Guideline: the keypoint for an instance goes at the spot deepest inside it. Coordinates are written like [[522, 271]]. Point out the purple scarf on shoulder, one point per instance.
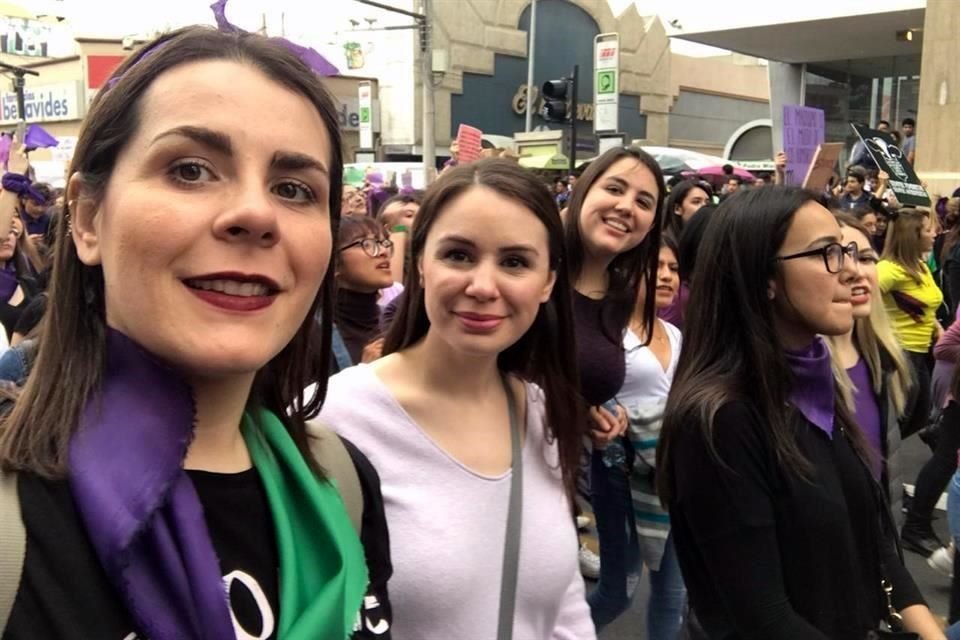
[[812, 390], [140, 509]]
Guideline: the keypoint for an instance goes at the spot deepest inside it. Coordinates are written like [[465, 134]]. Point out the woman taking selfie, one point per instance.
[[874, 372], [781, 530], [472, 419], [165, 486], [612, 237]]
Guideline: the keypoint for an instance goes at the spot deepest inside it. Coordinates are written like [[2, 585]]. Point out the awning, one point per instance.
[[556, 161]]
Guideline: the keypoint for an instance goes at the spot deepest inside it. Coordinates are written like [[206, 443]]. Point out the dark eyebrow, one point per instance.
[[623, 183], [825, 240], [515, 248], [293, 161], [214, 140]]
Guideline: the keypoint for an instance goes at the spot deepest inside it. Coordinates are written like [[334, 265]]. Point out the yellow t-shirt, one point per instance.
[[914, 334]]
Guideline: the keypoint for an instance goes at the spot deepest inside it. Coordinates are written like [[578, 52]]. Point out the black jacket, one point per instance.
[[766, 554]]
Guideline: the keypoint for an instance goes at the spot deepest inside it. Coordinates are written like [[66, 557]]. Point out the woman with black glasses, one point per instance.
[[363, 270], [780, 528]]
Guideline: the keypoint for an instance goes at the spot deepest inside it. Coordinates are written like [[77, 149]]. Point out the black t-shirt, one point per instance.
[[65, 594]]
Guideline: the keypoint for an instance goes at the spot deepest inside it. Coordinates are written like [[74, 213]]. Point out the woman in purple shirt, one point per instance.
[[873, 372]]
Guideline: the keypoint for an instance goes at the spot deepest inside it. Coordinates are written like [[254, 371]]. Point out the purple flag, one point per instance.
[[38, 138], [5, 143], [310, 57]]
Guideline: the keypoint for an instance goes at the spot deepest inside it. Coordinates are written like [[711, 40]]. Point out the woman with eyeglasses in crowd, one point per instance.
[[874, 373], [363, 271], [472, 420], [780, 527], [911, 298]]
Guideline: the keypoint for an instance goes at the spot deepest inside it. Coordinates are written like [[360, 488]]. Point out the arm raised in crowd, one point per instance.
[[10, 201]]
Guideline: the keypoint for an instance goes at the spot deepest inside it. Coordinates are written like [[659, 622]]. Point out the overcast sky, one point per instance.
[[318, 20]]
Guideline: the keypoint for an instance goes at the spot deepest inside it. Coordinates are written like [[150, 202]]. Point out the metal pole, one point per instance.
[[531, 49], [429, 107], [573, 120]]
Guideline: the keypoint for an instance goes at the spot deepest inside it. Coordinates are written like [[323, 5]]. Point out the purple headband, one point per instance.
[[20, 184]]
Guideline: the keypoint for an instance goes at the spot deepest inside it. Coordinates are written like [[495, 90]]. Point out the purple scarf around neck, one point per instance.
[[140, 509], [812, 390]]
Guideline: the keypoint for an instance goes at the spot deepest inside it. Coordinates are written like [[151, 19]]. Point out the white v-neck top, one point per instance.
[[447, 524]]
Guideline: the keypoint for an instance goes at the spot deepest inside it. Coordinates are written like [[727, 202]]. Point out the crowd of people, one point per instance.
[[243, 399]]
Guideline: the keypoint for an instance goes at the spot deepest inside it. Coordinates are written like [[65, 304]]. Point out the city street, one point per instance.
[[935, 587]]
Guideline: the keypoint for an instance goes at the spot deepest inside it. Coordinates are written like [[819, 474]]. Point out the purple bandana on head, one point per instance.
[[309, 57], [137, 503]]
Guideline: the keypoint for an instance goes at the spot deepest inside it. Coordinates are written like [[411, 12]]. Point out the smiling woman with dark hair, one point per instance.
[[167, 484]]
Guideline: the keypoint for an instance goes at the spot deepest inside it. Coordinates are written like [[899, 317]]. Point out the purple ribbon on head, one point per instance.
[[309, 57], [21, 185]]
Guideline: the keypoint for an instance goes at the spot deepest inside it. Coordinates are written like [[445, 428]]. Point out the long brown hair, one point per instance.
[[545, 354], [902, 245], [71, 358], [628, 269]]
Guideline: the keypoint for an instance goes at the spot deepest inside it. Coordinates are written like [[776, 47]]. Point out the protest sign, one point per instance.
[[468, 143], [888, 156], [823, 165], [803, 131]]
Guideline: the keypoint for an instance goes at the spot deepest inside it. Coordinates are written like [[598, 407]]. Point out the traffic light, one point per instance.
[[555, 94]]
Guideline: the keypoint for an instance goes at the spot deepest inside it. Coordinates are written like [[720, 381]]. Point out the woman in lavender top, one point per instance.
[[873, 372]]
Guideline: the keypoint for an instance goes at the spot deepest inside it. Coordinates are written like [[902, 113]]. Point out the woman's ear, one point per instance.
[[84, 221]]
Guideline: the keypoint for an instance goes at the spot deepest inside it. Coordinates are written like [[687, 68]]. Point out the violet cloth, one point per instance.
[[21, 185], [140, 509], [867, 413], [37, 137], [812, 390], [673, 313], [601, 359]]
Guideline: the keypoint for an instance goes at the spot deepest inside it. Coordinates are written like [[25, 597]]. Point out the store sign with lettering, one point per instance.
[[44, 103]]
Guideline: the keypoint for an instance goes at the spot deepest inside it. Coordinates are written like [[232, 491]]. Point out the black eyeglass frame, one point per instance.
[[380, 246], [850, 249]]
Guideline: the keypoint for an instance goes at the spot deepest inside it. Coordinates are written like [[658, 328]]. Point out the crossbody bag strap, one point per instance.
[[511, 546]]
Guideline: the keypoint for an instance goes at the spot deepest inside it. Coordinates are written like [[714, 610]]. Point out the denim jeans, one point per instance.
[[620, 561]]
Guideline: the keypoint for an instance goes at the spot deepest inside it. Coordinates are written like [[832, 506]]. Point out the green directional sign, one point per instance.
[[364, 114], [606, 82]]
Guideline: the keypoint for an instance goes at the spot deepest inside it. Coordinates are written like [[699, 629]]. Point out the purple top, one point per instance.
[[674, 312], [601, 360], [812, 390], [867, 412]]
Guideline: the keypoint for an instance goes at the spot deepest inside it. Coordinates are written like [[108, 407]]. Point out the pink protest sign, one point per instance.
[[468, 143]]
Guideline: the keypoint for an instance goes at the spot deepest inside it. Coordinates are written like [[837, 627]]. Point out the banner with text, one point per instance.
[[606, 83], [888, 156], [44, 103], [803, 132]]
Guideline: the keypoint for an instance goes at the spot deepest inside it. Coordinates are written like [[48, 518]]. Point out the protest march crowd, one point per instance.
[[243, 399]]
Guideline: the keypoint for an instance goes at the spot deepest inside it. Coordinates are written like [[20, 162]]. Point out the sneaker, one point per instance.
[[918, 540], [942, 561], [589, 563], [583, 523]]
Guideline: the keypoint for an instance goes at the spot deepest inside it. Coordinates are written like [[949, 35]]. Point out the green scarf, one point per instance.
[[323, 574]]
